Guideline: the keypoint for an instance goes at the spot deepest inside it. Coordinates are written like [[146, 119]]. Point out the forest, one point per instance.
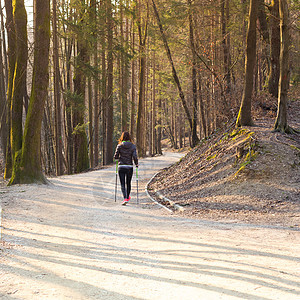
[[75, 74]]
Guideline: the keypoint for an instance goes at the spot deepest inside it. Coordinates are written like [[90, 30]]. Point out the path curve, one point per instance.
[[70, 240]]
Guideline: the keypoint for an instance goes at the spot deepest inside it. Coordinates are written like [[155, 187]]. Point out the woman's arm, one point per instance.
[[117, 153], [135, 157]]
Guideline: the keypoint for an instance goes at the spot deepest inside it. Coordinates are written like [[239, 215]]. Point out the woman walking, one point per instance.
[[126, 153]]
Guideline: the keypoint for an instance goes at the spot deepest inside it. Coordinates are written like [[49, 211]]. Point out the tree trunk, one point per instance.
[[244, 117], [262, 17], [275, 49], [103, 103], [159, 119], [57, 103], [96, 115], [201, 105], [214, 76], [81, 145], [228, 43], [141, 106], [123, 69], [153, 121], [68, 110], [19, 81], [140, 121], [225, 46], [91, 106], [133, 83], [3, 101], [195, 139], [5, 62], [202, 110], [168, 126], [50, 138], [110, 109], [179, 108], [29, 168], [103, 97], [174, 124], [281, 119], [11, 38], [48, 144], [93, 4], [126, 75], [208, 110]]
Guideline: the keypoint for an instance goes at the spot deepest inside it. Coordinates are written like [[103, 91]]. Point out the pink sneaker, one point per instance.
[[128, 198], [125, 202]]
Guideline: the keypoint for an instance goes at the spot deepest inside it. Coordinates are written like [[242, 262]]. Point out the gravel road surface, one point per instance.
[[70, 240]]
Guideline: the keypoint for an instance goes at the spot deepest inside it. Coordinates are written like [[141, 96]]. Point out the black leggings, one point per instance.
[[125, 175]]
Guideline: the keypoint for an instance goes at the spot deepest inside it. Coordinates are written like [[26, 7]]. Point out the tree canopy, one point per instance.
[[176, 70]]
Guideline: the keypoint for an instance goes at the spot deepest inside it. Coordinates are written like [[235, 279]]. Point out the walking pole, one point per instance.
[[116, 181], [137, 185]]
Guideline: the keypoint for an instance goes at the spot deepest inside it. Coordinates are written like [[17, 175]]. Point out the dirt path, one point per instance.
[[70, 240]]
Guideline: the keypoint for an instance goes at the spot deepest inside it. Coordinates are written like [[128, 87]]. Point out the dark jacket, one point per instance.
[[125, 152]]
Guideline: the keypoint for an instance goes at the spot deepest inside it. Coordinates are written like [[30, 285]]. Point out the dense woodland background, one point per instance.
[[84, 71]]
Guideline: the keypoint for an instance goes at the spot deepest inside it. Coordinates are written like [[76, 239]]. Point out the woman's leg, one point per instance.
[[122, 174], [128, 181]]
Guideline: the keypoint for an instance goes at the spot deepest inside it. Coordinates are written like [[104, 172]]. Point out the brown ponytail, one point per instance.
[[125, 137]]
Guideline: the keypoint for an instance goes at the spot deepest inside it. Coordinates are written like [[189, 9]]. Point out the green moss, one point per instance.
[[251, 155], [237, 132], [225, 137], [8, 164], [295, 148], [250, 148], [250, 134], [239, 170], [234, 133], [16, 173], [211, 157], [80, 128], [196, 160]]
